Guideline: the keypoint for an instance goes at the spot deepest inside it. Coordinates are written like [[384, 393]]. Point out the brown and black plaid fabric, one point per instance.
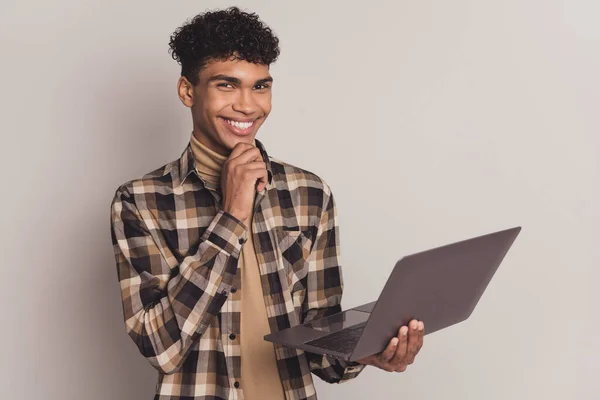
[[177, 257]]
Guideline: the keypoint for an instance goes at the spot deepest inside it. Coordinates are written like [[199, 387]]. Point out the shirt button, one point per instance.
[[242, 240], [236, 384], [233, 290], [232, 336]]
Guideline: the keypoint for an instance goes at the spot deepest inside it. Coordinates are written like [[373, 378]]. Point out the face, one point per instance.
[[229, 104]]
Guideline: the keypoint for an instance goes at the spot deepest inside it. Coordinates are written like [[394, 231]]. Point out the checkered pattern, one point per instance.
[[177, 258]]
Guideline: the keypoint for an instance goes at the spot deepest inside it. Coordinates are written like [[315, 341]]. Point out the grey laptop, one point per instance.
[[440, 286]]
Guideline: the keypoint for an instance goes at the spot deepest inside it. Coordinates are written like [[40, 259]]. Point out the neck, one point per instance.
[[210, 143]]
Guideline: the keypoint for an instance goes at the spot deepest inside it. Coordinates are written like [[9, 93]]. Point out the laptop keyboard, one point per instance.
[[342, 341]]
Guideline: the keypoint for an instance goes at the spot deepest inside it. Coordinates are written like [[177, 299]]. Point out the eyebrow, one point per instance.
[[237, 81]]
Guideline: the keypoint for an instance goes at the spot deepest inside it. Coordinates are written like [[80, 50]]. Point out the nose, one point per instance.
[[244, 102]]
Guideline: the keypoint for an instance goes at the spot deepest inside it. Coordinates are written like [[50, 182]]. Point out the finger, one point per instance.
[[249, 155], [260, 167], [400, 353], [401, 368], [239, 149], [260, 186], [262, 181], [413, 342], [421, 336], [387, 354], [254, 173], [257, 175]]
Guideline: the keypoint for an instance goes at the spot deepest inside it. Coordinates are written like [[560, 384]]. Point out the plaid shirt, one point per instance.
[[177, 256]]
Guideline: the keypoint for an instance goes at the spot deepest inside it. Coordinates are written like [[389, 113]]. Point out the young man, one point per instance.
[[226, 244]]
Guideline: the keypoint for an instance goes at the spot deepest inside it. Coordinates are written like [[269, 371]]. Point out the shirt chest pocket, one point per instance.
[[294, 247]]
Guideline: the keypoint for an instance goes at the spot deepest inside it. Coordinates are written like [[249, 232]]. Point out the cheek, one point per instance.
[[213, 104], [265, 104]]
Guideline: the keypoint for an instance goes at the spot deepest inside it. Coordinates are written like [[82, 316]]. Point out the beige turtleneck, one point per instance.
[[260, 377], [209, 163]]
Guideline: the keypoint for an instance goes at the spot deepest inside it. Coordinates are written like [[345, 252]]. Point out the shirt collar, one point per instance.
[[187, 164]]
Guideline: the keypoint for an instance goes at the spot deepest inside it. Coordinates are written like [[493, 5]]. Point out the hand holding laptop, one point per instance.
[[401, 351], [440, 287]]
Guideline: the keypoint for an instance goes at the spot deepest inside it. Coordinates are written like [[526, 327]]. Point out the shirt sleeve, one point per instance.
[[324, 292], [167, 305]]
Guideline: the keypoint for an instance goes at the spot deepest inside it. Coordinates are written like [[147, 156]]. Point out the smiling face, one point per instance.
[[229, 104]]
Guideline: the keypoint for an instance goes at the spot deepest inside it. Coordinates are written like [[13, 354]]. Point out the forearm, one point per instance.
[[166, 305], [165, 329]]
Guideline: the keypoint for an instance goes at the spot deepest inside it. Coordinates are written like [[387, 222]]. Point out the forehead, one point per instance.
[[241, 69]]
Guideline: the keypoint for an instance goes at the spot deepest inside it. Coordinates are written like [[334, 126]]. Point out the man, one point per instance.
[[226, 244]]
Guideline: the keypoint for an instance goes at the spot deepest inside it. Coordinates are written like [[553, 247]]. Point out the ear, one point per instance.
[[185, 91]]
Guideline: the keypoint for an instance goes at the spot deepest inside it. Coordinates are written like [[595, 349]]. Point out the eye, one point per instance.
[[262, 86], [225, 85]]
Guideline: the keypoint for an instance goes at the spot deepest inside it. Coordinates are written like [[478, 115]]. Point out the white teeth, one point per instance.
[[242, 125]]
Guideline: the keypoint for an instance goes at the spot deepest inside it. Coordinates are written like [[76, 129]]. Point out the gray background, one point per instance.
[[432, 121]]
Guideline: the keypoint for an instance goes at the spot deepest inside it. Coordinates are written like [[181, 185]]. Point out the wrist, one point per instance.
[[236, 214]]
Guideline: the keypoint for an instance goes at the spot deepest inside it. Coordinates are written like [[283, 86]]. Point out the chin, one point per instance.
[[233, 141]]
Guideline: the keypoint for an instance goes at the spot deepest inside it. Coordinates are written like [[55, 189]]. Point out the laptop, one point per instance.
[[440, 287]]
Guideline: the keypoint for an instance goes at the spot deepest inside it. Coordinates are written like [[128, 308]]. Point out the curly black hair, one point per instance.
[[220, 35]]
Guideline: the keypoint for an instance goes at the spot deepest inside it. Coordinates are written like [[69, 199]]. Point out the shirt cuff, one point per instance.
[[352, 370], [227, 233]]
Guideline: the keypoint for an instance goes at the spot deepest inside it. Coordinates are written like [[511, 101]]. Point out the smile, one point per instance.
[[238, 124], [239, 128]]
